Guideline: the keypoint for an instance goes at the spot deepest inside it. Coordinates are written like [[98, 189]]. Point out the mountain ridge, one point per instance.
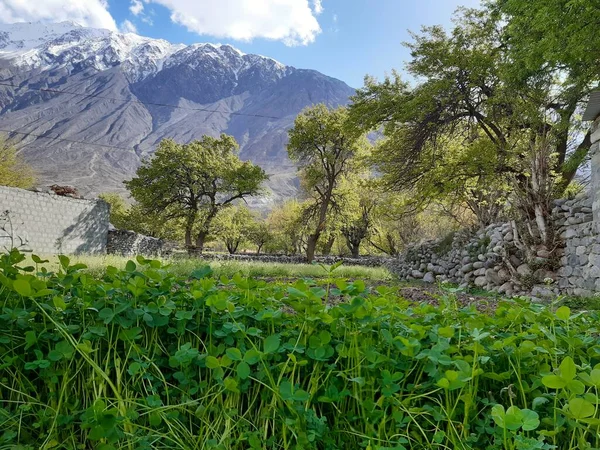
[[253, 97]]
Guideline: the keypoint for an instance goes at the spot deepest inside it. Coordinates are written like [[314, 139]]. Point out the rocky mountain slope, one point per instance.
[[123, 93]]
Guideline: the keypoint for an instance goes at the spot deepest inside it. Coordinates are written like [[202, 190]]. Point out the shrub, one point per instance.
[[145, 359]]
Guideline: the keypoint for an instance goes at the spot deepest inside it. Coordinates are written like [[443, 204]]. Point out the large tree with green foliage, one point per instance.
[[545, 36], [193, 182], [326, 147], [13, 170], [476, 123]]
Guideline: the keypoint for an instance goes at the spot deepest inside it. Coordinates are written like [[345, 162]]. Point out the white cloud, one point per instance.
[[127, 27], [335, 27], [91, 13], [318, 6], [136, 7], [290, 21]]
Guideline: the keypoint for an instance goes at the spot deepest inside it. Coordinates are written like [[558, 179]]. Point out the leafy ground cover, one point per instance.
[[143, 358]]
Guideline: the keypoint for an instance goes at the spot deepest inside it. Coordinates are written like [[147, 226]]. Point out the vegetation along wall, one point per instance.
[[495, 259], [50, 224]]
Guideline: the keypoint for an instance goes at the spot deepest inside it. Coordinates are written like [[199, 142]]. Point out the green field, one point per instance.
[[184, 266], [149, 356]]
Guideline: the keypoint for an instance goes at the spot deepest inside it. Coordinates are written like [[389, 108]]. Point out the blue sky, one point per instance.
[[345, 39], [357, 37]]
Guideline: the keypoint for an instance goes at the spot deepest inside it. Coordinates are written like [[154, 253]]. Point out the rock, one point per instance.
[[416, 274], [508, 286], [479, 272], [524, 270], [481, 257], [581, 250], [466, 268], [514, 261], [480, 281], [504, 275], [582, 292], [593, 272], [477, 265], [571, 233], [543, 253], [429, 277], [492, 277]]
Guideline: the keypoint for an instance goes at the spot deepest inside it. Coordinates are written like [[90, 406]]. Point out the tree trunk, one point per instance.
[[311, 246], [200, 240], [328, 246], [355, 249], [188, 238], [258, 248], [232, 246], [314, 238]]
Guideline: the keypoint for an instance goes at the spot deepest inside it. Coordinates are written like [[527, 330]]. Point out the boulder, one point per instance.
[[506, 288], [429, 277], [466, 268], [492, 277], [480, 281], [504, 275], [416, 274], [524, 270]]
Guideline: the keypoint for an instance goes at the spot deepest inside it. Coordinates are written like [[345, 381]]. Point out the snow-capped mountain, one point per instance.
[[117, 87]]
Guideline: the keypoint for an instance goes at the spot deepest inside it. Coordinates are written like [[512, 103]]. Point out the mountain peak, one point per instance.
[[38, 44], [90, 104]]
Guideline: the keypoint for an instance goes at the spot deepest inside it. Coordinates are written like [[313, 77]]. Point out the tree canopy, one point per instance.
[[476, 124], [14, 171], [193, 182], [326, 148]]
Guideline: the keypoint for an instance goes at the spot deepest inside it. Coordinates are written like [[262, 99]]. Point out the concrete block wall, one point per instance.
[[49, 224]]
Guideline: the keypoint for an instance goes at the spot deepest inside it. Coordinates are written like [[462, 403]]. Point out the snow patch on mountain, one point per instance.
[[49, 46]]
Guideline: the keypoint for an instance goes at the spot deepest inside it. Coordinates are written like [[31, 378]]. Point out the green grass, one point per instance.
[[142, 358], [256, 269]]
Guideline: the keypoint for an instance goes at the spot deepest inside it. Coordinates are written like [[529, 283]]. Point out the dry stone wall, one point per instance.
[[130, 243], [367, 261], [490, 259], [49, 224]]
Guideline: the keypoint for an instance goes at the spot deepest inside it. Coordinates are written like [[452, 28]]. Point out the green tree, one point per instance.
[[233, 226], [259, 234], [133, 217], [119, 210], [360, 195], [474, 124], [550, 35], [287, 228], [14, 171], [326, 148], [192, 182]]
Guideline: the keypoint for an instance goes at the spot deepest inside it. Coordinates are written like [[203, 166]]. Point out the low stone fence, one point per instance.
[[367, 261], [490, 259], [130, 243]]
